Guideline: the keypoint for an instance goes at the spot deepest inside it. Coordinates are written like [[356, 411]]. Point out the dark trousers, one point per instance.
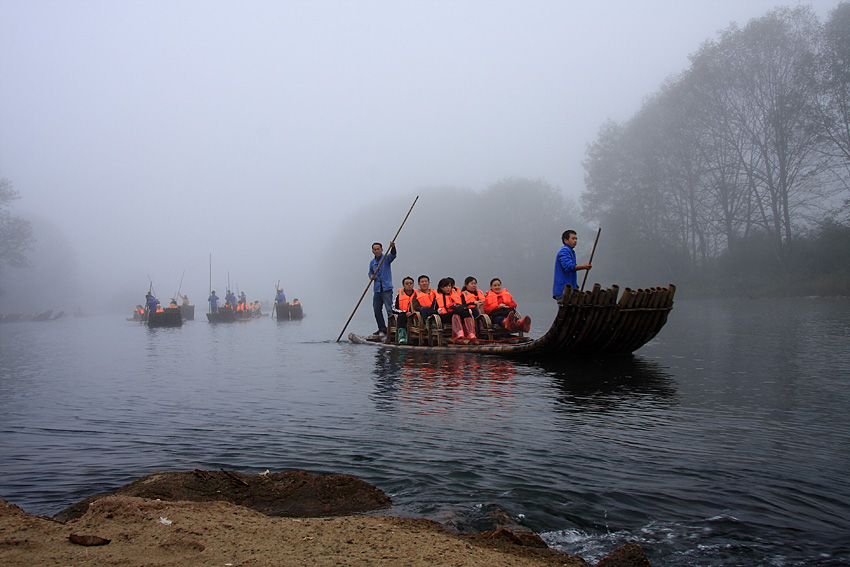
[[382, 299]]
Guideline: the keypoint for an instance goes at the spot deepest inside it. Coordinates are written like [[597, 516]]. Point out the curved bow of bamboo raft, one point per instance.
[[597, 322], [588, 323]]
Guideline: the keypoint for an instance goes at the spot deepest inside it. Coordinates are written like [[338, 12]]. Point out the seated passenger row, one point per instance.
[[458, 307]]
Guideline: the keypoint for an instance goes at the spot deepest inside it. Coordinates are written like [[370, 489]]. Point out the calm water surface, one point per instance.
[[725, 441]]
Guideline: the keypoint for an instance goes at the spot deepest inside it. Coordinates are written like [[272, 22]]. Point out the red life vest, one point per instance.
[[492, 300]]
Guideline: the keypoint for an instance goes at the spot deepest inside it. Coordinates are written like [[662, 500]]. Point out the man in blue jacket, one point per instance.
[[383, 288], [565, 265]]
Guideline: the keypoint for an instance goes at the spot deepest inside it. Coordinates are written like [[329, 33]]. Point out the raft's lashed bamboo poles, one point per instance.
[[589, 323]]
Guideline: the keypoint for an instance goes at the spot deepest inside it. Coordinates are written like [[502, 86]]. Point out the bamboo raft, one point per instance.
[[169, 317], [588, 323], [289, 311]]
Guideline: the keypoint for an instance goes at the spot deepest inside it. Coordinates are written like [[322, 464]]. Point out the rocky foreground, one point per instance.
[[210, 518]]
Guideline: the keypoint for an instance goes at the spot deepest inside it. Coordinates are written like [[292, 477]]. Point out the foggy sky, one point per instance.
[[155, 134]]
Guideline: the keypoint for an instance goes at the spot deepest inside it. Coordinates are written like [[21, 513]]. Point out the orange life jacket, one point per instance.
[[425, 299], [445, 302], [470, 298], [405, 301], [492, 300]]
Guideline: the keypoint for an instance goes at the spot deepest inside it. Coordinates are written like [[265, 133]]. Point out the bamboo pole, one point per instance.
[[598, 232], [376, 270]]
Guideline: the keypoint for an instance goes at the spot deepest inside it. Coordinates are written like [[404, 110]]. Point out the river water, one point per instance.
[[724, 441]]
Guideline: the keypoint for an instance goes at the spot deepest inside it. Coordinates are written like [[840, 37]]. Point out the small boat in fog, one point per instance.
[[168, 317], [188, 312], [289, 311], [588, 323], [226, 314]]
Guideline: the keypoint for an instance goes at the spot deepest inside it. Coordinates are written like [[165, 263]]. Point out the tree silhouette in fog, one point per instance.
[[744, 150]]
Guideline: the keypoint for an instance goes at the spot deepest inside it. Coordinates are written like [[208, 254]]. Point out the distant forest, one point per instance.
[[734, 178], [735, 175]]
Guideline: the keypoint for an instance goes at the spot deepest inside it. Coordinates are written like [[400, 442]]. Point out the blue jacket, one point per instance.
[[384, 276], [213, 299], [281, 297], [565, 270]]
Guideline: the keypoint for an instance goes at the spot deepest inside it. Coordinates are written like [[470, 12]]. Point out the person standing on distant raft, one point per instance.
[[280, 297], [383, 288], [565, 265], [150, 302], [213, 299]]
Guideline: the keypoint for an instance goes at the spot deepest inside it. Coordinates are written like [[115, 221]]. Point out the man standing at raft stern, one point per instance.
[[381, 273], [565, 265]]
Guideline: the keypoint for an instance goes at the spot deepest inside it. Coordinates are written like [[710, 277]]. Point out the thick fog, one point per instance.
[[243, 139]]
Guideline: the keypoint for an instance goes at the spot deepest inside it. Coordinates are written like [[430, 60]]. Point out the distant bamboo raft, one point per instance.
[[588, 323]]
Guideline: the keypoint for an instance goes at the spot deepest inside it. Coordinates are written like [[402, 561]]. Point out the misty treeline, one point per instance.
[[16, 237], [510, 230], [741, 162]]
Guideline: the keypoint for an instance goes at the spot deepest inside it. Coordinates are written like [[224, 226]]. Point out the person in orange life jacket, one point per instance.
[[382, 299], [424, 297], [449, 306], [501, 307], [472, 296], [404, 305], [173, 304]]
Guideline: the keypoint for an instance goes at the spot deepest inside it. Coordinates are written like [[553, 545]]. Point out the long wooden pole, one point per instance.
[[376, 270], [179, 287], [591, 258]]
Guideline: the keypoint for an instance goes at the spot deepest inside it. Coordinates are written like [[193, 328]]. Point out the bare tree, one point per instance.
[[15, 233], [835, 66]]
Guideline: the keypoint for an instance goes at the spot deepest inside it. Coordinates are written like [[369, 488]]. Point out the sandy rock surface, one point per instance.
[[156, 533], [225, 518]]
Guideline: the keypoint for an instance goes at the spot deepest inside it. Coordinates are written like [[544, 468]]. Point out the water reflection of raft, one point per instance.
[[590, 323], [289, 311], [169, 317]]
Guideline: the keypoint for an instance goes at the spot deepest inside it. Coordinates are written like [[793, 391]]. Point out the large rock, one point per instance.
[[628, 555], [292, 493]]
